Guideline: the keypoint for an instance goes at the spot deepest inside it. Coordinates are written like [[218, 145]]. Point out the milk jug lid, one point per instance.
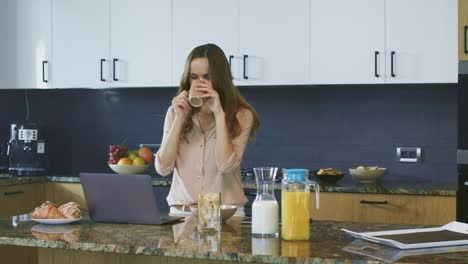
[[296, 175]]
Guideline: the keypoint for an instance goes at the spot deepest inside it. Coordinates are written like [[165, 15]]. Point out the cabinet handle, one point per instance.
[[13, 193], [230, 60], [373, 202], [376, 55], [245, 62], [464, 35], [113, 65], [102, 78], [392, 54], [43, 71]]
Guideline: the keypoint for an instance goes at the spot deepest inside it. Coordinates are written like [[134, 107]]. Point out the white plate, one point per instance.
[[54, 229], [55, 221]]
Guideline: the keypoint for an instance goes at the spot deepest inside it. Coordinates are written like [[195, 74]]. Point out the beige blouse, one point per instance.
[[196, 169]]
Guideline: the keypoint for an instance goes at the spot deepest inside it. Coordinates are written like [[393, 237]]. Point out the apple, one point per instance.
[[133, 154], [146, 154], [139, 161]]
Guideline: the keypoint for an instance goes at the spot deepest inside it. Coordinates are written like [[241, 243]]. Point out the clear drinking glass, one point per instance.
[[265, 210], [194, 98], [209, 242], [209, 212]]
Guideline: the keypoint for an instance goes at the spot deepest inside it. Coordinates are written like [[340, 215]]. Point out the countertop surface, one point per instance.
[[349, 186], [328, 243]]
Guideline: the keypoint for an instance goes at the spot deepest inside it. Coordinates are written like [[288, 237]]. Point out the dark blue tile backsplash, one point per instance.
[[314, 127]]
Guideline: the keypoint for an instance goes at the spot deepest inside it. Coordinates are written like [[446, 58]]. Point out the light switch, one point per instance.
[[408, 154], [41, 147]]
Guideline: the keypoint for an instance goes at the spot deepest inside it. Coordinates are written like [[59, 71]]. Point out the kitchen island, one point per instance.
[[86, 242]]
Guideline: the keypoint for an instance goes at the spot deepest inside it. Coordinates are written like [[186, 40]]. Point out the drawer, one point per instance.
[[20, 199], [383, 208]]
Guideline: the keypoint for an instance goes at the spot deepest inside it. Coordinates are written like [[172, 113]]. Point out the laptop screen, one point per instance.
[[120, 198]]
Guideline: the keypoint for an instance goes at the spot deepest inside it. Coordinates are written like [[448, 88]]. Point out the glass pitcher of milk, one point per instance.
[[265, 211]]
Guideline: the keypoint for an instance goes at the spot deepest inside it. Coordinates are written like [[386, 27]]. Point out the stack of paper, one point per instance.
[[390, 254], [451, 234]]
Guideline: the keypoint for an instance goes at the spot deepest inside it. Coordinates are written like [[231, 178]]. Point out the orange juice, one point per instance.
[[295, 206], [295, 248]]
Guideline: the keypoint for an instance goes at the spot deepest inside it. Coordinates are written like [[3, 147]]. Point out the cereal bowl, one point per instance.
[[227, 211]]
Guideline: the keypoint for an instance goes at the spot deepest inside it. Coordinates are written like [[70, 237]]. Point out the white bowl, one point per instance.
[[128, 169], [367, 175], [227, 211]]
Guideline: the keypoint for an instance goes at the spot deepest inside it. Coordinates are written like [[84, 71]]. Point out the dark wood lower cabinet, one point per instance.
[[58, 256], [18, 255]]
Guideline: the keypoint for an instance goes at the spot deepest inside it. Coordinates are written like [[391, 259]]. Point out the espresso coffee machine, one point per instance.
[[26, 150]]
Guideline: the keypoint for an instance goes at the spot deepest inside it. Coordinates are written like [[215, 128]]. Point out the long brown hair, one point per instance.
[[221, 80]]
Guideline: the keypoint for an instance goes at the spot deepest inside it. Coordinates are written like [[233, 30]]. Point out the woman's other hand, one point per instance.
[[181, 105]]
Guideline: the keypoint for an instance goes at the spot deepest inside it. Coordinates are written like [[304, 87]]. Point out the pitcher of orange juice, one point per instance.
[[295, 204]]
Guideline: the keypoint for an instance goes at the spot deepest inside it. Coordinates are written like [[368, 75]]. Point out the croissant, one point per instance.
[[47, 210], [45, 236], [70, 236], [70, 210]]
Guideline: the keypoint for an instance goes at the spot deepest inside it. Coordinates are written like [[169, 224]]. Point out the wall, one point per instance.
[[313, 127]]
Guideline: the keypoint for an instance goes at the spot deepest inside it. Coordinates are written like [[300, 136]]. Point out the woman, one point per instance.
[[204, 146]]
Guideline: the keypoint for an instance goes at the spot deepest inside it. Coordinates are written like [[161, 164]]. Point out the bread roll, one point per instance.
[[47, 210], [70, 210]]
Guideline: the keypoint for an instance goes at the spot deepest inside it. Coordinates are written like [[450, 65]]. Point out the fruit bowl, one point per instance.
[[128, 169], [365, 175]]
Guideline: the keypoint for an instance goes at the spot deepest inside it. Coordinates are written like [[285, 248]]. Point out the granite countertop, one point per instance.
[[328, 244], [384, 187]]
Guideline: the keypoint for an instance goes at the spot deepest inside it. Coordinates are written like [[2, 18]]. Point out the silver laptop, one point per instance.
[[122, 198]]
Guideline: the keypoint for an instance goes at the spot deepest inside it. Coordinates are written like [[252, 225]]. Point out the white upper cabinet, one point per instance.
[[383, 41], [201, 22], [273, 42], [141, 41], [118, 43], [262, 46], [8, 44], [25, 46], [422, 41], [33, 43], [80, 40], [347, 41]]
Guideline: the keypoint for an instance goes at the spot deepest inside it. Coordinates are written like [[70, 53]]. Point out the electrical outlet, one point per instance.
[[408, 154]]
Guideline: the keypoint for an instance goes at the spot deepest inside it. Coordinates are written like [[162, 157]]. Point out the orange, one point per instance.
[[146, 154], [125, 161]]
